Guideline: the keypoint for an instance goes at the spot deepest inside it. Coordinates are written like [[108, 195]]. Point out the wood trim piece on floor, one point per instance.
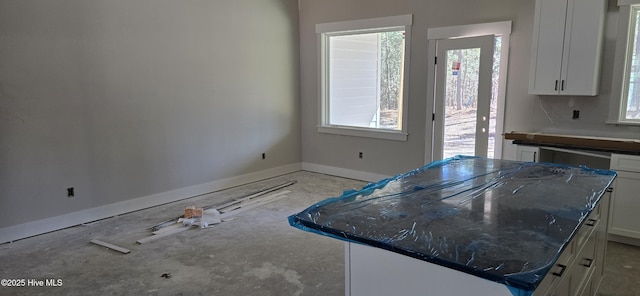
[[111, 246], [20, 231], [341, 172]]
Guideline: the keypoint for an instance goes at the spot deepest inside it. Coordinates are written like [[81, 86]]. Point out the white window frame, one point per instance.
[[372, 25], [620, 81]]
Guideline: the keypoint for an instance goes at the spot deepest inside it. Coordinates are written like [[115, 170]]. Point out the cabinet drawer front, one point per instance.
[[627, 163], [558, 273], [588, 227], [584, 266]]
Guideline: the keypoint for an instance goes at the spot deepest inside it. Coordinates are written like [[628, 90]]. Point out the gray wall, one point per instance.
[[523, 112], [127, 98]]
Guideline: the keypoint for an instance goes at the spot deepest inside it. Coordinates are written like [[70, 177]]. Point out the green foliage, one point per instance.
[[392, 51], [462, 89]]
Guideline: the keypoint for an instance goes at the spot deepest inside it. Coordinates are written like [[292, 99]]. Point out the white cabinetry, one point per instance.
[[371, 271], [567, 45], [626, 202], [592, 159], [527, 153], [580, 267]]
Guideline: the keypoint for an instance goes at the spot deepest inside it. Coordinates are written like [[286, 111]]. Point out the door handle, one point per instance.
[[589, 262], [562, 269]]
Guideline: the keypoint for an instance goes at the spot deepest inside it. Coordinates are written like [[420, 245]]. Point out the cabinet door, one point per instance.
[[601, 244], [564, 285], [527, 153], [625, 205], [567, 47], [601, 250], [548, 40], [582, 47], [583, 268]]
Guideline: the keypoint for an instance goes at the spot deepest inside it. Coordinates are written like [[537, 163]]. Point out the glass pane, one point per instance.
[[495, 82], [365, 80], [633, 95], [461, 101]]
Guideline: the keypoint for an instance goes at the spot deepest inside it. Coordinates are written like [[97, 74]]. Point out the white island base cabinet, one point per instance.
[[372, 271], [578, 271]]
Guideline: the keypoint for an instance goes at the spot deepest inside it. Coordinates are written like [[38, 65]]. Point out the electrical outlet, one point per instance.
[[264, 156], [71, 192], [576, 114], [360, 155]]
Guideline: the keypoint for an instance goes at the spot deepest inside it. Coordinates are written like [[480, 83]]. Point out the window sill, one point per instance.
[[631, 123], [363, 132]]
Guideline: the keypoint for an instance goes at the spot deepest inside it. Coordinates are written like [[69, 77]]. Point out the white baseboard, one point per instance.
[[341, 172], [28, 229], [624, 240]]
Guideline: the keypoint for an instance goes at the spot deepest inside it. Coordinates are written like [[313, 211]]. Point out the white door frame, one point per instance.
[[485, 44], [502, 29]]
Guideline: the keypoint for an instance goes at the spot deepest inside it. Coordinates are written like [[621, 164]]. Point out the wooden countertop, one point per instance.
[[630, 146]]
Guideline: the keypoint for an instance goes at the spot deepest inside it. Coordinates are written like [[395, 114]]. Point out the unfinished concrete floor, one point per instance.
[[258, 253]]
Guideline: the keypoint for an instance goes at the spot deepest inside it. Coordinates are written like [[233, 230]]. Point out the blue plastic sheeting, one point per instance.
[[504, 221]]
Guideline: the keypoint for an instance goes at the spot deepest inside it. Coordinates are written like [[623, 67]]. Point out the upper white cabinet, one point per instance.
[[567, 45]]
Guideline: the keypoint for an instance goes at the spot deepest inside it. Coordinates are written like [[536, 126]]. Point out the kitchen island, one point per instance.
[[470, 225], [617, 154]]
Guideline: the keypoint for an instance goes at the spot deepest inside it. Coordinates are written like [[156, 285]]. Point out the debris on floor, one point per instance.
[[166, 275], [192, 212], [204, 220], [110, 246], [207, 216]]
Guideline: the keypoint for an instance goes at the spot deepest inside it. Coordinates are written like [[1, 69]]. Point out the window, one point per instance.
[[363, 70], [625, 103], [630, 107]]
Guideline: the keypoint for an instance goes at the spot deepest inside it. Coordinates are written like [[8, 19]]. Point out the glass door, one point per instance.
[[462, 115]]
